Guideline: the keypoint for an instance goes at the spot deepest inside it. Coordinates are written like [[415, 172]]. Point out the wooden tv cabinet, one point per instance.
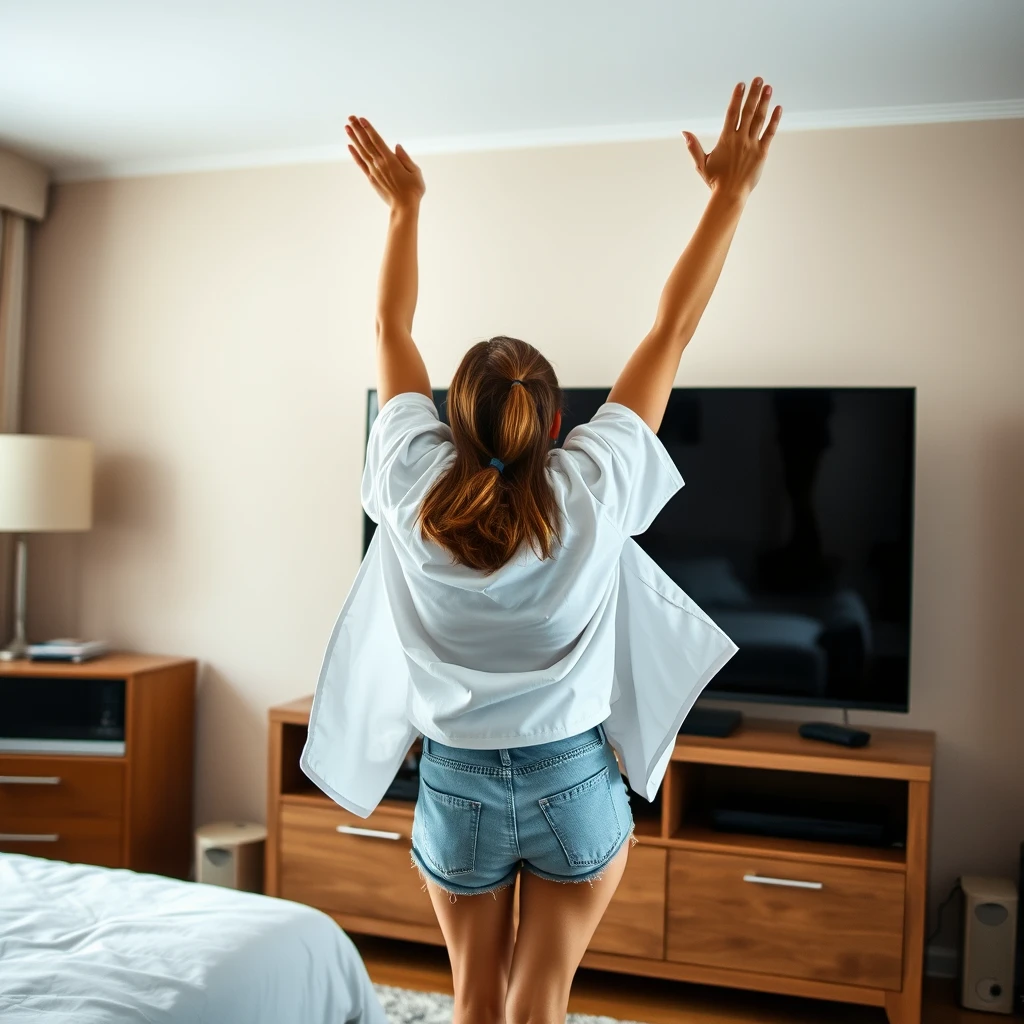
[[816, 919]]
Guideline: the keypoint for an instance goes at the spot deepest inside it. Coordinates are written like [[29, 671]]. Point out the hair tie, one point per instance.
[[517, 381], [498, 465]]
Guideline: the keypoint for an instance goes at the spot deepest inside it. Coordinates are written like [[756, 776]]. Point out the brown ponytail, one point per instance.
[[501, 405]]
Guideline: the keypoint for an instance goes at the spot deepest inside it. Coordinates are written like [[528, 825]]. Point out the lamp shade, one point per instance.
[[45, 484]]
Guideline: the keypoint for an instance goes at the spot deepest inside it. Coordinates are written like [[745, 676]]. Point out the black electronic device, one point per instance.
[[826, 732], [52, 715], [794, 532], [717, 722], [804, 819]]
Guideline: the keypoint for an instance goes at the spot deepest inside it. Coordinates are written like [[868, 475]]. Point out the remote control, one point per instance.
[[829, 733]]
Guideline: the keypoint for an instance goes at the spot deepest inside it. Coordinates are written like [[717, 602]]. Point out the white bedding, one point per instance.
[[87, 945]]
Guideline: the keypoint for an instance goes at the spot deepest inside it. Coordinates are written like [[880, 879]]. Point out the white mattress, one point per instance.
[[87, 945]]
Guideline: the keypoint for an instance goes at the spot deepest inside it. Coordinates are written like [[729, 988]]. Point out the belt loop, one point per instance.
[[424, 746], [505, 759], [602, 733]]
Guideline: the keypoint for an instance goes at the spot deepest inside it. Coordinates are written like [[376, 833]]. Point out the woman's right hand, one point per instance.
[[735, 164], [392, 172]]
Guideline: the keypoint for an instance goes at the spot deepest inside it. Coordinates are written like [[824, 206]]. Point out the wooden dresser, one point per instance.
[[806, 918], [127, 806]]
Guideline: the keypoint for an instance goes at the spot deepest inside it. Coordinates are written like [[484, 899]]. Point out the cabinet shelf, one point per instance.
[[776, 745], [698, 837]]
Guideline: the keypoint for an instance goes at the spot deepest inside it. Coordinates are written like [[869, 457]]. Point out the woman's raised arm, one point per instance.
[[399, 182], [731, 170]]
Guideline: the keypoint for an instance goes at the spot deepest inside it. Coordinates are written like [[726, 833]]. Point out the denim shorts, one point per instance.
[[560, 810]]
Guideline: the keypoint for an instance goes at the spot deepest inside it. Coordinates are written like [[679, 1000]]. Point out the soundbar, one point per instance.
[[861, 826]]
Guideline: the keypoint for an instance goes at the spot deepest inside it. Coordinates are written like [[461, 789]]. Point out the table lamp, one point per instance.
[[45, 487]]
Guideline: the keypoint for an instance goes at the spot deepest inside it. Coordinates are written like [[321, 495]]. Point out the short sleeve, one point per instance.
[[406, 444], [624, 466]]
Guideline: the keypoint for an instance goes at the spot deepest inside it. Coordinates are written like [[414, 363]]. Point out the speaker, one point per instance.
[[230, 853], [1020, 937], [990, 934]]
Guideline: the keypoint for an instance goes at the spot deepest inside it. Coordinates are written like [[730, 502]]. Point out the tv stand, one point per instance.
[[718, 722], [820, 918]]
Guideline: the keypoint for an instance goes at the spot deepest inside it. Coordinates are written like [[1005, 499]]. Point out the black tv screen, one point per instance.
[[794, 532]]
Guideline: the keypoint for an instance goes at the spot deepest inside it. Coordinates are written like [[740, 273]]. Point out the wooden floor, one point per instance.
[[425, 968]]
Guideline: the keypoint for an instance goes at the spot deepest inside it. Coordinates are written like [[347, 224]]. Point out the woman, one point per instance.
[[500, 567]]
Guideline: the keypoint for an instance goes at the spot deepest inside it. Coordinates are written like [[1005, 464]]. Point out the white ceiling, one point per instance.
[[111, 87]]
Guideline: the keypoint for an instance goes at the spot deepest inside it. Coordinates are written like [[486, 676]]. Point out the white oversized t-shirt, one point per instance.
[[537, 651], [526, 654]]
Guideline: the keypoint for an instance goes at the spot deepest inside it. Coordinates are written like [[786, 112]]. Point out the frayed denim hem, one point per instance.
[[591, 876], [455, 890]]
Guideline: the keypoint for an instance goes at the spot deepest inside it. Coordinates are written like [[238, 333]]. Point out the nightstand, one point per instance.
[[96, 761]]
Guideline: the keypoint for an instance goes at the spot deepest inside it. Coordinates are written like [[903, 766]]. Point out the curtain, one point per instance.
[[14, 232], [24, 190]]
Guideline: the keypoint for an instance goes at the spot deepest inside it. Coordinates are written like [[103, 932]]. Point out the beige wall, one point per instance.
[[211, 333]]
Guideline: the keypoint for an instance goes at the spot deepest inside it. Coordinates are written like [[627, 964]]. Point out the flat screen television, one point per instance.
[[794, 532]]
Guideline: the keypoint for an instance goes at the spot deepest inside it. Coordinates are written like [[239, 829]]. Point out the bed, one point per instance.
[[93, 945]]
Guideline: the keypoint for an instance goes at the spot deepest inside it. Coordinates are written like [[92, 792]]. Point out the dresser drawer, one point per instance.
[[634, 923], [331, 859], [790, 918], [82, 840], [41, 787]]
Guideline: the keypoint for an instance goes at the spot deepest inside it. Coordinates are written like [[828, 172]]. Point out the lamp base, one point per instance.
[[16, 650]]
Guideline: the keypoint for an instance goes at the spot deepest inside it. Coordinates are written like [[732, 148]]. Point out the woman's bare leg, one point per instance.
[[478, 931], [556, 923]]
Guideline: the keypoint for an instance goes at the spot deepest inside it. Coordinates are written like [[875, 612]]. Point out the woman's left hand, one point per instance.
[[392, 173]]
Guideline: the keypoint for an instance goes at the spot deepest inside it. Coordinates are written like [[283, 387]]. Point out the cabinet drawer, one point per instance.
[[351, 871], [634, 923], [81, 840], [41, 787], [796, 919]]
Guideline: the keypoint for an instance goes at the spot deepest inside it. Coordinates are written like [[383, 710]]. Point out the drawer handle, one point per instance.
[[789, 883], [29, 780], [370, 833], [28, 837]]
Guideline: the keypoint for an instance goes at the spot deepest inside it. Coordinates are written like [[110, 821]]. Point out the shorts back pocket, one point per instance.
[[444, 831], [585, 821]]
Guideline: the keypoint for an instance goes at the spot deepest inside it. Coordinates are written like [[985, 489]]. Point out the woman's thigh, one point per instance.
[[464, 846], [556, 923], [479, 933]]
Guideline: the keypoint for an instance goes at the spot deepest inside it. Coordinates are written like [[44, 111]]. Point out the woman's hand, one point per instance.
[[392, 173], [735, 164]]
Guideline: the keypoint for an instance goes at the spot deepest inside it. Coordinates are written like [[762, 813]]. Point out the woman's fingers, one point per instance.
[[374, 138], [732, 113], [358, 143], [404, 159], [360, 162], [700, 158], [773, 127], [753, 96], [760, 112], [367, 149], [369, 170]]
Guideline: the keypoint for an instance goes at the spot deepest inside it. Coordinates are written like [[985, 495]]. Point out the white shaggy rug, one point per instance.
[[406, 1007]]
